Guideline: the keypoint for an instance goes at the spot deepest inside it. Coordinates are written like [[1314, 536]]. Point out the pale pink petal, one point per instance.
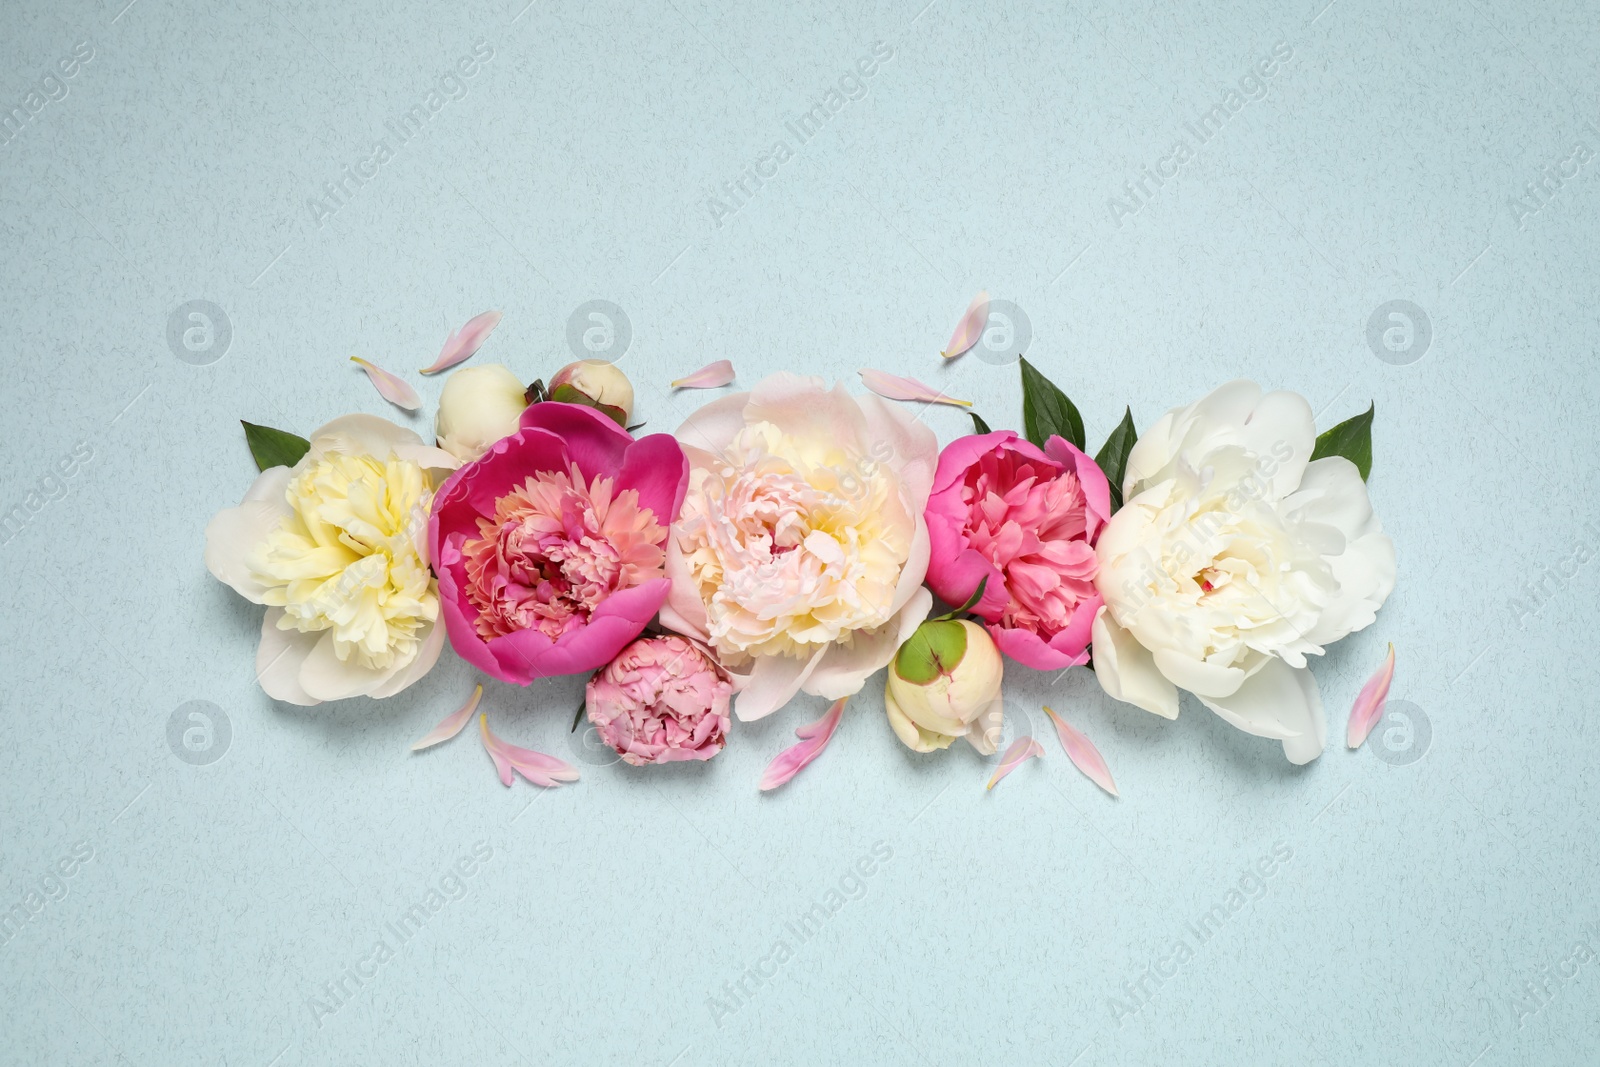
[[1021, 750], [1083, 754], [970, 328], [464, 342], [393, 389], [711, 376], [536, 767], [897, 388], [452, 723], [1368, 708], [816, 736]]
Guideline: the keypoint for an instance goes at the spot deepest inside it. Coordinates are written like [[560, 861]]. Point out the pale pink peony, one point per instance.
[[799, 553], [1026, 519], [549, 548], [661, 700]]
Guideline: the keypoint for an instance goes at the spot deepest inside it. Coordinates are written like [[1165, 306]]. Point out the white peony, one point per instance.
[[336, 547], [1235, 558]]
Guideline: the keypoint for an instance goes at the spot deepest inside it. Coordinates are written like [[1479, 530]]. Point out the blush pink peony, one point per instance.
[[799, 554], [549, 548], [661, 700], [1026, 519]]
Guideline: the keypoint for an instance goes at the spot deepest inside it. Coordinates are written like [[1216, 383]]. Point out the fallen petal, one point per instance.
[[1083, 754], [464, 342], [536, 767], [897, 388], [711, 376], [452, 723], [970, 328], [816, 736], [1368, 708], [1021, 750], [392, 389]]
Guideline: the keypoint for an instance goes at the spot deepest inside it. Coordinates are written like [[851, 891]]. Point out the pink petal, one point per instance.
[[1021, 750], [536, 767], [392, 389], [1368, 708], [451, 724], [1083, 754], [970, 328], [464, 342], [711, 376], [816, 735], [897, 388]]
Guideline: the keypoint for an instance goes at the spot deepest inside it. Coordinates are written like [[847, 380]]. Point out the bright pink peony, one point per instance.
[[1027, 520], [549, 549], [661, 700]]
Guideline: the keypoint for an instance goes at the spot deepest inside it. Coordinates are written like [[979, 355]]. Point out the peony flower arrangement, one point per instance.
[[791, 539]]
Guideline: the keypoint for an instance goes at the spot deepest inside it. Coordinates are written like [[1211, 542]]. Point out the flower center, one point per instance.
[[554, 550]]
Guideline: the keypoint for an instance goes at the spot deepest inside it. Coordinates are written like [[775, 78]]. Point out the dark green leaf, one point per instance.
[[1046, 410], [569, 394], [1113, 455], [273, 448], [978, 425], [1351, 439], [575, 719]]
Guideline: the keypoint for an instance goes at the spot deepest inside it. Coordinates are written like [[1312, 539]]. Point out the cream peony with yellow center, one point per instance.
[[336, 547]]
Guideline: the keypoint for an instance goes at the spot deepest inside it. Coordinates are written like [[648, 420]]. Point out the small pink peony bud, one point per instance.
[[659, 701]]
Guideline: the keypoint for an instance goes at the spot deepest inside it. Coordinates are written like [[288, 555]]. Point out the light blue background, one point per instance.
[[1420, 898]]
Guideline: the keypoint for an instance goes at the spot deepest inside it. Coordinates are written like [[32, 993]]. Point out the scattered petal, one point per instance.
[[970, 328], [393, 389], [451, 724], [1021, 750], [1083, 754], [536, 767], [897, 388], [816, 736], [464, 342], [711, 376], [1368, 708]]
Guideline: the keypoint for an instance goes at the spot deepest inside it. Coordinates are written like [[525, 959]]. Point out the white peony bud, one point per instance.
[[944, 683], [479, 405], [606, 387]]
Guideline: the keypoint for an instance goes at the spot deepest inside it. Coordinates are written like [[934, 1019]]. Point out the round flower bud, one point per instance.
[[479, 406], [598, 384], [661, 700], [944, 683]]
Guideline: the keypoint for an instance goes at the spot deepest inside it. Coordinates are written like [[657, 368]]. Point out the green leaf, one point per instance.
[[576, 718], [1113, 455], [273, 448], [1046, 410], [1351, 439], [978, 425], [935, 647], [569, 394]]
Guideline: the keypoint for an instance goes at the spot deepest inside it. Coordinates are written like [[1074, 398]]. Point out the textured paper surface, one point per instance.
[[1427, 903]]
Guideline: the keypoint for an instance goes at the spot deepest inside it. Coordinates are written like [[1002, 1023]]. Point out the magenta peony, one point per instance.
[[549, 549], [661, 700], [1026, 519]]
